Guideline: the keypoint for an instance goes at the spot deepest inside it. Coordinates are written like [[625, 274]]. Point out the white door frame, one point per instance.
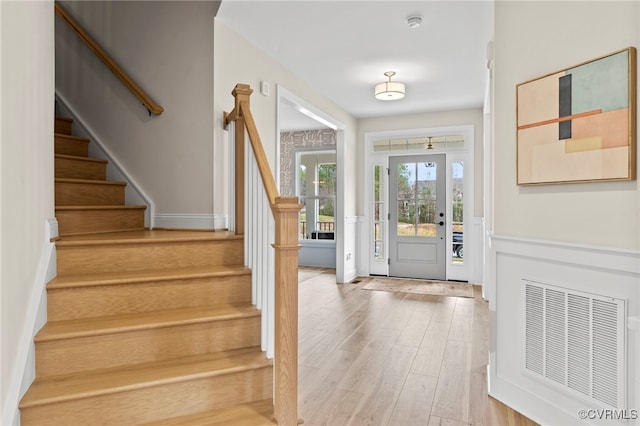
[[458, 272], [284, 95]]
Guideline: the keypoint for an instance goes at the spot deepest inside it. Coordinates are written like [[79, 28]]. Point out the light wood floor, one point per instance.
[[381, 358]]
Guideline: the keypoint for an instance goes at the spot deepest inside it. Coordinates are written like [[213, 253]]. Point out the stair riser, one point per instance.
[[136, 257], [71, 147], [109, 300], [87, 194], [156, 403], [71, 222], [63, 126], [87, 353], [78, 169]]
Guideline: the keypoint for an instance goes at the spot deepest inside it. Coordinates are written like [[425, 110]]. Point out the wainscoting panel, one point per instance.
[[564, 331]]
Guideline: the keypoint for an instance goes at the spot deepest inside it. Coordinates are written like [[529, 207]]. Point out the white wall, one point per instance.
[[420, 121], [534, 39], [581, 237], [26, 190], [238, 61], [167, 48]]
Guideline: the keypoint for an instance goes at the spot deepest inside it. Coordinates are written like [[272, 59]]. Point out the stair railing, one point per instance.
[[151, 106], [276, 264]]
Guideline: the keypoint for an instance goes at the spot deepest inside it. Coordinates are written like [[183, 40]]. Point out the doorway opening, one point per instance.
[[310, 157], [419, 198]]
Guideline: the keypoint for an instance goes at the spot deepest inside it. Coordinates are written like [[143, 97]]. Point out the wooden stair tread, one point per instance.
[[115, 278], [84, 327], [250, 414], [105, 381], [145, 236], [90, 181], [71, 137], [121, 339], [79, 158], [105, 207]]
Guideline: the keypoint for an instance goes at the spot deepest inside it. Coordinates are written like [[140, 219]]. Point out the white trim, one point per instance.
[[284, 95], [370, 265], [36, 316], [352, 225], [476, 269], [190, 221], [362, 267], [535, 408], [231, 181], [592, 256], [134, 193], [468, 270]]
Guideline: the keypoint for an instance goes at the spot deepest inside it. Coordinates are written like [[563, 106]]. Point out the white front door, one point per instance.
[[417, 231]]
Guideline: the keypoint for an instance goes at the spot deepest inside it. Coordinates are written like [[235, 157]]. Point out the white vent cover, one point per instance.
[[576, 340]]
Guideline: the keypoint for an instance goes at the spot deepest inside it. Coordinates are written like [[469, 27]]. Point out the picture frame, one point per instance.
[[579, 124]]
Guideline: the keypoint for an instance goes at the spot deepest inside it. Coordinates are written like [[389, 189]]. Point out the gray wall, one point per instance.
[[167, 48]]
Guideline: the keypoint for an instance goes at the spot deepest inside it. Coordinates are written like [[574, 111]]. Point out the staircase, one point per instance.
[[144, 326]]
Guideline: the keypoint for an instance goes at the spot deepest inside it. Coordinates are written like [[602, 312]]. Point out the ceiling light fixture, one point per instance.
[[389, 90]]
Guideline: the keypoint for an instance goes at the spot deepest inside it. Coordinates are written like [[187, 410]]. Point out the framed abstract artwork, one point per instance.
[[579, 124]]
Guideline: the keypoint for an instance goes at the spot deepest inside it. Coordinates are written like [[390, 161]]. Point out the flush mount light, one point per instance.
[[389, 90]]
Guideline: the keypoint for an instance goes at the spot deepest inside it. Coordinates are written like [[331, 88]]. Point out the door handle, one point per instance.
[[441, 223]]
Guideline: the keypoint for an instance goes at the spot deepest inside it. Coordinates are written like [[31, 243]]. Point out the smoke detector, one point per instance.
[[414, 21]]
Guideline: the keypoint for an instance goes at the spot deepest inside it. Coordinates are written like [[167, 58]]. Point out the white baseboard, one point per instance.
[[350, 274], [36, 316], [190, 221]]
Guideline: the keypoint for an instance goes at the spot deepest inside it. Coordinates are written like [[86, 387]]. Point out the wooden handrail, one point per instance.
[[261, 158], [151, 106], [285, 212]]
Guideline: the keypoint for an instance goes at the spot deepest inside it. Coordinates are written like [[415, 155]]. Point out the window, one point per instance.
[[378, 212], [316, 188], [449, 142], [457, 206]]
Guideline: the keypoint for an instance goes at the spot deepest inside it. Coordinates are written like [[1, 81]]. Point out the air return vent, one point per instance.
[[576, 340]]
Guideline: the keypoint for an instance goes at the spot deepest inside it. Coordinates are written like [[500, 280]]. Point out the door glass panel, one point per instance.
[[457, 205], [426, 197], [406, 191], [378, 212], [417, 199]]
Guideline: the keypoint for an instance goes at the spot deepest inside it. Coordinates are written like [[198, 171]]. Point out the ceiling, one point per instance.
[[342, 49]]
